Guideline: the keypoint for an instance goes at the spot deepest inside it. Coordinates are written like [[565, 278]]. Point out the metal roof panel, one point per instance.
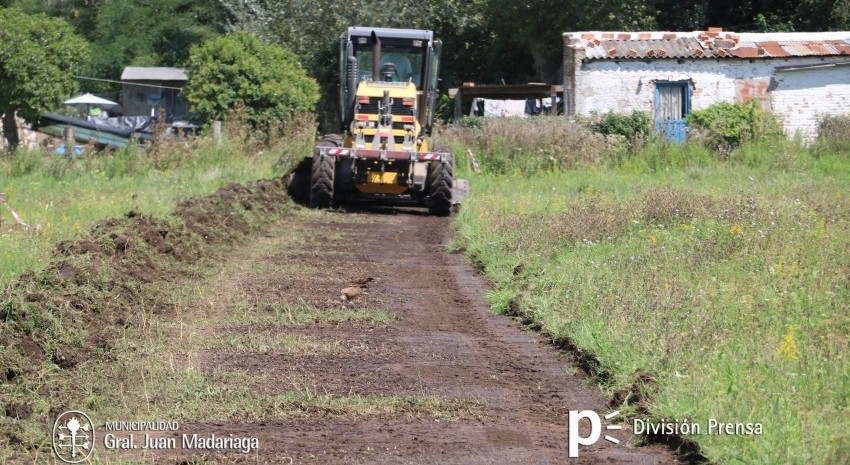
[[652, 48], [139, 73], [416, 34], [699, 44]]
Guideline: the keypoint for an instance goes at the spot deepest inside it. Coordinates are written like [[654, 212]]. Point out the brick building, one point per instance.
[[798, 76]]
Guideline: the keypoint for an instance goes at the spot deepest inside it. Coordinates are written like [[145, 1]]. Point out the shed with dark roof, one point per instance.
[[145, 89]]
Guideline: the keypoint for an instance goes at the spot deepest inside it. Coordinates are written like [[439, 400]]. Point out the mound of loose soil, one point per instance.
[[75, 308]]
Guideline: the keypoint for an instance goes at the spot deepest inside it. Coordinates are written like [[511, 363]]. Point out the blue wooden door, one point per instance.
[[672, 105]]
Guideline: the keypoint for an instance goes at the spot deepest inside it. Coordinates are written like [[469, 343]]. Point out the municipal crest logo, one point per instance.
[[73, 437]]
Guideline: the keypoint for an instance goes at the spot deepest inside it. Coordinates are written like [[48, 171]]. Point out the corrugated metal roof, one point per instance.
[[714, 43], [136, 73], [676, 48]]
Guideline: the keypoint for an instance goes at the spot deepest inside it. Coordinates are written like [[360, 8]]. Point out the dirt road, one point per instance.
[[463, 385]]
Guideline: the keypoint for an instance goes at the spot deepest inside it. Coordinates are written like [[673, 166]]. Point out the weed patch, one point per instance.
[[717, 293]]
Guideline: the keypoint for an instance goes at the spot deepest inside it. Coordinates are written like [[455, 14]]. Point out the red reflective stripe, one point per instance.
[[368, 153], [338, 151], [406, 119], [360, 117], [398, 155]]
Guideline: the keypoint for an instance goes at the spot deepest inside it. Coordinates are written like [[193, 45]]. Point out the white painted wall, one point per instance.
[[802, 97], [798, 98]]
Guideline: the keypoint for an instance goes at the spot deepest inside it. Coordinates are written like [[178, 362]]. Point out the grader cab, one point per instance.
[[388, 90]]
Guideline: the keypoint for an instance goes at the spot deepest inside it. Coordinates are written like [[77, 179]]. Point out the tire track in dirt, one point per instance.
[[445, 343]]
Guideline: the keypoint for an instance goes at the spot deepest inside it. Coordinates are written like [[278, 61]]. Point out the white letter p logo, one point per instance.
[[575, 435]]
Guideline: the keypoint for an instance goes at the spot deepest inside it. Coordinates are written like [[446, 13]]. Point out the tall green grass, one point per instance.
[[60, 198], [706, 285]]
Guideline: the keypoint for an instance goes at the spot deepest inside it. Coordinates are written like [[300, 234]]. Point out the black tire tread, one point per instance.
[[440, 180], [322, 182]]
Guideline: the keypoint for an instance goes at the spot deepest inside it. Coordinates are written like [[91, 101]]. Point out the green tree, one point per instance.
[[150, 32], [39, 60], [239, 69]]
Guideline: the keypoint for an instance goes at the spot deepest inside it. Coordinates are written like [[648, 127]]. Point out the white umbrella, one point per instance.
[[89, 99]]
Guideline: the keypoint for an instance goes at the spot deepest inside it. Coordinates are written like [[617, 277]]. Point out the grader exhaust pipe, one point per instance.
[[376, 57]]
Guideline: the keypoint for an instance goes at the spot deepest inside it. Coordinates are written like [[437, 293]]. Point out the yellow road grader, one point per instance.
[[388, 90]]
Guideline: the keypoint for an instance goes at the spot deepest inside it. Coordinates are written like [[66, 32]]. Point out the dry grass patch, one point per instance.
[[669, 206]]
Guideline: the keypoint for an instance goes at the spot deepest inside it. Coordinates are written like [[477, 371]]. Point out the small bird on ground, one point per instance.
[[362, 280], [350, 293]]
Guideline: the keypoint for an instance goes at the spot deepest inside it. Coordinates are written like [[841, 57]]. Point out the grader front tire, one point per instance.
[[322, 181], [440, 188]]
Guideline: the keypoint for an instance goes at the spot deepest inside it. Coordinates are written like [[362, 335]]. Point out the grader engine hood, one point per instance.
[[385, 116]]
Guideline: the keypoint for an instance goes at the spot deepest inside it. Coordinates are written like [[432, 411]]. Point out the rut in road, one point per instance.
[[414, 369]]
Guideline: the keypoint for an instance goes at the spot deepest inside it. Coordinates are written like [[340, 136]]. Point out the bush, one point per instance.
[[834, 133], [635, 127], [724, 126], [239, 70]]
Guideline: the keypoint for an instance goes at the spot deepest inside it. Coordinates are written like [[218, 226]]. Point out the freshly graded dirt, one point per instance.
[[444, 343]]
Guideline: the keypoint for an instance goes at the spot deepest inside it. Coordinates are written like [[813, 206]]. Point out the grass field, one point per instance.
[[61, 198], [706, 288]]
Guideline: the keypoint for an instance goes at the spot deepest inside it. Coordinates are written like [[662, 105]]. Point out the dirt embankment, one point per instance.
[[73, 310]]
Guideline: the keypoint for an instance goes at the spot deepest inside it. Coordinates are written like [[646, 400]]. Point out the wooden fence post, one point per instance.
[[216, 128]]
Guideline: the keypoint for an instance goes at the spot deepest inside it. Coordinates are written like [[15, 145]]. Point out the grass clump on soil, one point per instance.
[[265, 341], [62, 198], [227, 395], [284, 314], [704, 286]]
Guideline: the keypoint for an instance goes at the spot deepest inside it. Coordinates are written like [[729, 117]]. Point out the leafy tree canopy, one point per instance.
[[239, 69], [150, 32], [40, 58]]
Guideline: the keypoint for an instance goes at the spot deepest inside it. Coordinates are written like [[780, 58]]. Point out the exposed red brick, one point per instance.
[[612, 51], [624, 36], [715, 30], [732, 36], [644, 35], [632, 53], [669, 36], [607, 35], [596, 41], [662, 53], [650, 53], [587, 35], [698, 52]]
